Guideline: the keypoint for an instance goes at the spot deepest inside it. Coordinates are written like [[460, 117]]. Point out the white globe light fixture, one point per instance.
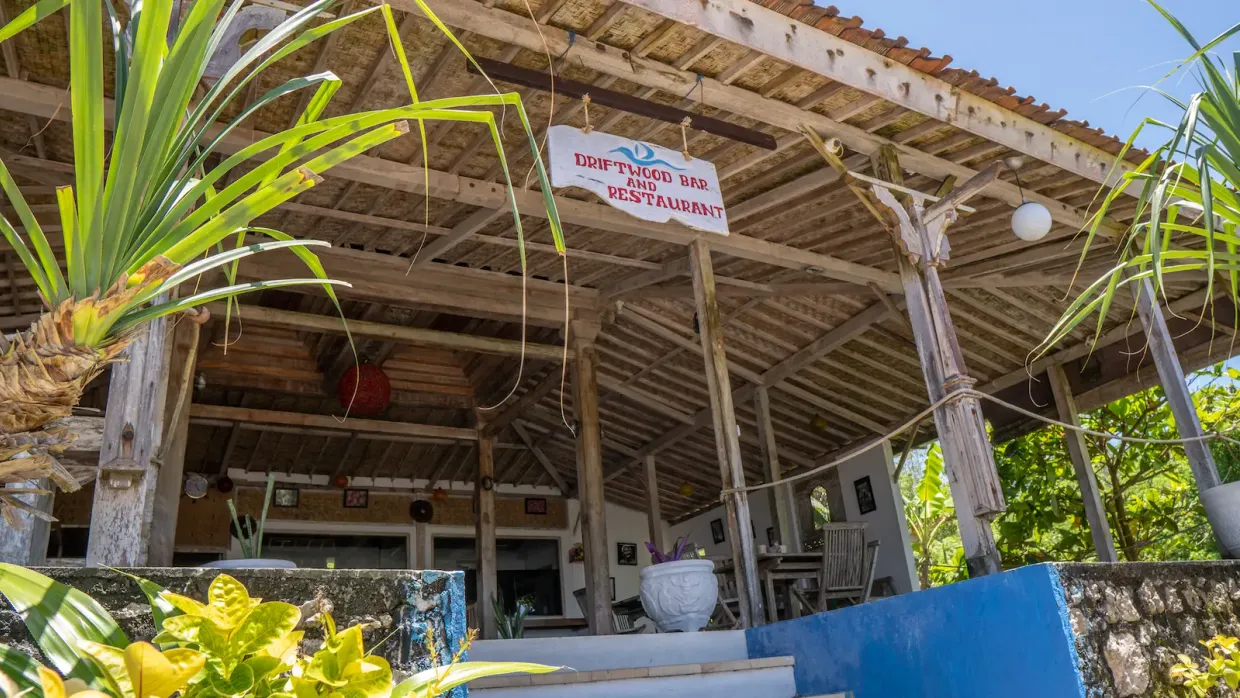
[[1031, 221]]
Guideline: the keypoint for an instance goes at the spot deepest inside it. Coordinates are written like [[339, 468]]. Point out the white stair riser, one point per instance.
[[593, 653], [765, 683]]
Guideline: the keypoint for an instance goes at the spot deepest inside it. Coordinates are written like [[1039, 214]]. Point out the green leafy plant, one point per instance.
[[251, 537], [232, 646], [149, 213], [1188, 209], [1222, 664], [509, 626], [931, 518]]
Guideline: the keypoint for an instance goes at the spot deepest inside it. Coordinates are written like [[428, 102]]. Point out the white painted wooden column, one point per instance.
[[486, 575], [727, 436], [653, 508], [786, 521], [590, 480], [1179, 397], [120, 522], [1078, 450]]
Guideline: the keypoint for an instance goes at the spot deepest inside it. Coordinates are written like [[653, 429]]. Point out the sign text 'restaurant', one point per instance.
[[643, 180]]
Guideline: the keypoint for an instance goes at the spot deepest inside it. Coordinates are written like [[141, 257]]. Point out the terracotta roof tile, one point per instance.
[[828, 19]]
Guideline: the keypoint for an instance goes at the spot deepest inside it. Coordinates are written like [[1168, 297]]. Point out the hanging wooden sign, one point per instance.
[[646, 181]]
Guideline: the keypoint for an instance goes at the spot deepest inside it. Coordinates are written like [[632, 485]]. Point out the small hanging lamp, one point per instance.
[[1031, 221]]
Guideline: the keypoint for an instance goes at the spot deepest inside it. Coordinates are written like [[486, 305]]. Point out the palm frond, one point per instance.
[[1188, 209]]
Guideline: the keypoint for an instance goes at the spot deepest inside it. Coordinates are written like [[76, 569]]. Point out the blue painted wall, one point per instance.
[[1003, 635]]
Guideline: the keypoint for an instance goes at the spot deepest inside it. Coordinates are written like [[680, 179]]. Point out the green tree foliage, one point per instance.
[[1147, 489]]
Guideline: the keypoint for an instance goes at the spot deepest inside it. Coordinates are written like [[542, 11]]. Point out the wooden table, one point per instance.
[[778, 567]]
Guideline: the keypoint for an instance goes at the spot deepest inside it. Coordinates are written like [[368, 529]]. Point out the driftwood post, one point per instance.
[[1078, 449], [484, 492], [654, 511], [181, 363], [727, 436], [590, 479], [788, 526], [1179, 397], [120, 520], [967, 451]]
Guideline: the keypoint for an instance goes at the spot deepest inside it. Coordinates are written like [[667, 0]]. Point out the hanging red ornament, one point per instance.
[[340, 482], [364, 390], [439, 495]]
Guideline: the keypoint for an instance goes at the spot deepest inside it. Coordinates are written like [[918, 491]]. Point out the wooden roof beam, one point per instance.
[[512, 28], [760, 29], [330, 422]]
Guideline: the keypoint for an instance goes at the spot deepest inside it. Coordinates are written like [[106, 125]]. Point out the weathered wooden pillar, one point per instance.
[[183, 351], [486, 575], [961, 429], [727, 436], [27, 546], [654, 511], [590, 479], [120, 521], [786, 522], [1078, 450], [1179, 397]]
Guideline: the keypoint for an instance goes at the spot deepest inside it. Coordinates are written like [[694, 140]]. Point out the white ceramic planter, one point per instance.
[[680, 596], [252, 564], [1222, 505]]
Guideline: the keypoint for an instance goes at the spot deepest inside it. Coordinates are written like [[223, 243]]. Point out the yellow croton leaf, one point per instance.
[[285, 647], [229, 601], [370, 677], [53, 687], [156, 674], [111, 662]]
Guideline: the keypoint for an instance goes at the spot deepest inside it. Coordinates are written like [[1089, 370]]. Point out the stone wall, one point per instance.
[[1131, 620], [395, 606]]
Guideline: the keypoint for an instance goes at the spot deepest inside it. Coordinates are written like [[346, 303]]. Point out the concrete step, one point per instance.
[[595, 653], [769, 678]]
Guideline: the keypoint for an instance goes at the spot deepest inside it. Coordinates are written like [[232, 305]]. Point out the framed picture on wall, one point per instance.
[[285, 497], [626, 554], [535, 506], [356, 499], [865, 495], [716, 530]]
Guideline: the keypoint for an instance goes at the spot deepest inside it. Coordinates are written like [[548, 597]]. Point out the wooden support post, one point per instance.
[[486, 575], [120, 520], [654, 511], [590, 480], [967, 451], [789, 528], [727, 436], [27, 546], [1078, 449], [183, 351], [1179, 397]]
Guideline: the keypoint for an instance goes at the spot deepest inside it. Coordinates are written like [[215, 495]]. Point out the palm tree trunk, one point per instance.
[[42, 376]]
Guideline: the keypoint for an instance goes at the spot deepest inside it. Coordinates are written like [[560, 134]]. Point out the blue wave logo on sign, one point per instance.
[[644, 156]]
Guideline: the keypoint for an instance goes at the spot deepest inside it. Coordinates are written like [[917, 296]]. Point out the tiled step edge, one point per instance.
[[569, 676]]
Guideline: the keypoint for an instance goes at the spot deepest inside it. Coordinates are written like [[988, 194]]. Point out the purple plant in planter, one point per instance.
[[684, 550]]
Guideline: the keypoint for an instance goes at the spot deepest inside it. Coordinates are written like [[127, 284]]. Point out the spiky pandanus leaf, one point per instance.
[[144, 215], [1188, 210]]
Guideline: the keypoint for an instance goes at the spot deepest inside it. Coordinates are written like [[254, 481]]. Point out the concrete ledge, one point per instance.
[[617, 651], [568, 676]]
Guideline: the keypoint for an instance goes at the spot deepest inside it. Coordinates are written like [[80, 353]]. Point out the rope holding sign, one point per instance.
[[685, 123], [585, 105]]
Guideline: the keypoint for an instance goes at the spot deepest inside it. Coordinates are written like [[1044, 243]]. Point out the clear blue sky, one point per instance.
[[1070, 54]]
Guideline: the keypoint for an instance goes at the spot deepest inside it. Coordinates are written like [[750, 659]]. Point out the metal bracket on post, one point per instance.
[[122, 472]]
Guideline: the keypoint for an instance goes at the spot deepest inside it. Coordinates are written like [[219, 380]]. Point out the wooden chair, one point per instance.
[[728, 608], [620, 624], [848, 564]]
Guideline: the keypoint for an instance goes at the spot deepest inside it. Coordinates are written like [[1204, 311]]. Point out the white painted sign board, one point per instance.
[[646, 181]]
